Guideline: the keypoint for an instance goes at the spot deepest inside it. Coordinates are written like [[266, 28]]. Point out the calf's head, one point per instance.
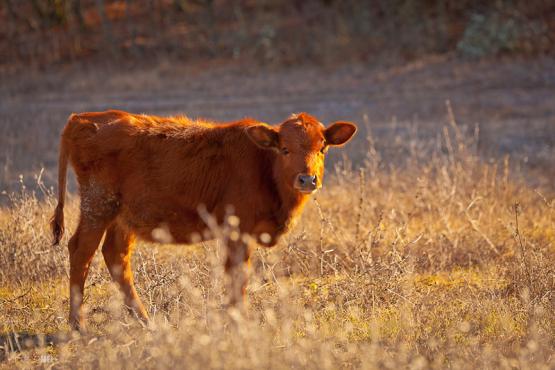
[[301, 143]]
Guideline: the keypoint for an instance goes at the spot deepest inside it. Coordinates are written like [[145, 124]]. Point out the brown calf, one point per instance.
[[139, 173]]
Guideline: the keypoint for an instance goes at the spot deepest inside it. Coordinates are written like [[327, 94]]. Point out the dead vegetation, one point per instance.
[[442, 260], [271, 32]]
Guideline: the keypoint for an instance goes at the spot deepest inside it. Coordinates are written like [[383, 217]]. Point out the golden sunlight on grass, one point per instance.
[[439, 262]]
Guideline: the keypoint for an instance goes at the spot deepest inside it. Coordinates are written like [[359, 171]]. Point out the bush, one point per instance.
[[490, 35]]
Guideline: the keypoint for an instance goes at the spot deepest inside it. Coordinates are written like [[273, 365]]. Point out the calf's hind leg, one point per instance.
[[99, 207], [117, 249], [82, 246]]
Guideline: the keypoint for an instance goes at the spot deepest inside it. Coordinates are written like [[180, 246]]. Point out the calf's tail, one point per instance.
[[57, 221]]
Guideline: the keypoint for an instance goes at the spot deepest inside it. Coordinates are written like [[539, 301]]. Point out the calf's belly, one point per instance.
[[169, 221], [165, 224]]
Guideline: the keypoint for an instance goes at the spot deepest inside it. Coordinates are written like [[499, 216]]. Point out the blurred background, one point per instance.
[[393, 67]]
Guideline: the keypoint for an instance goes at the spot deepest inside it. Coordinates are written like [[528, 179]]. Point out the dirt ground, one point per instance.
[[511, 101]]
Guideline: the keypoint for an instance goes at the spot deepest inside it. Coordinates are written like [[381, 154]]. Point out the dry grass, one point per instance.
[[440, 261]]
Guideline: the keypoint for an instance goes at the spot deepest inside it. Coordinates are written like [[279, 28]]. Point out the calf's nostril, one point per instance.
[[307, 181]]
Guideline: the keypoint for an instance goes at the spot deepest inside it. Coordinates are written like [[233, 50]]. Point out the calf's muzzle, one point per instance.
[[306, 183]]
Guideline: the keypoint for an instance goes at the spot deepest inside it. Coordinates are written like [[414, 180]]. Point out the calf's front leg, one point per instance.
[[236, 266]]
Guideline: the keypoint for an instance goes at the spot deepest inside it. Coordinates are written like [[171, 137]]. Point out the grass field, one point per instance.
[[431, 245], [439, 259]]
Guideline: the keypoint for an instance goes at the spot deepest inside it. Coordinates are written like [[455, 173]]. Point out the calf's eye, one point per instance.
[[284, 151]]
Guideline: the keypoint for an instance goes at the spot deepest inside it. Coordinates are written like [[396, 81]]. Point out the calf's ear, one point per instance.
[[339, 133], [264, 136]]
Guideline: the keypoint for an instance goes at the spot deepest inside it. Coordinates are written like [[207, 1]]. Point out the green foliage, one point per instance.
[[52, 12], [490, 35]]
